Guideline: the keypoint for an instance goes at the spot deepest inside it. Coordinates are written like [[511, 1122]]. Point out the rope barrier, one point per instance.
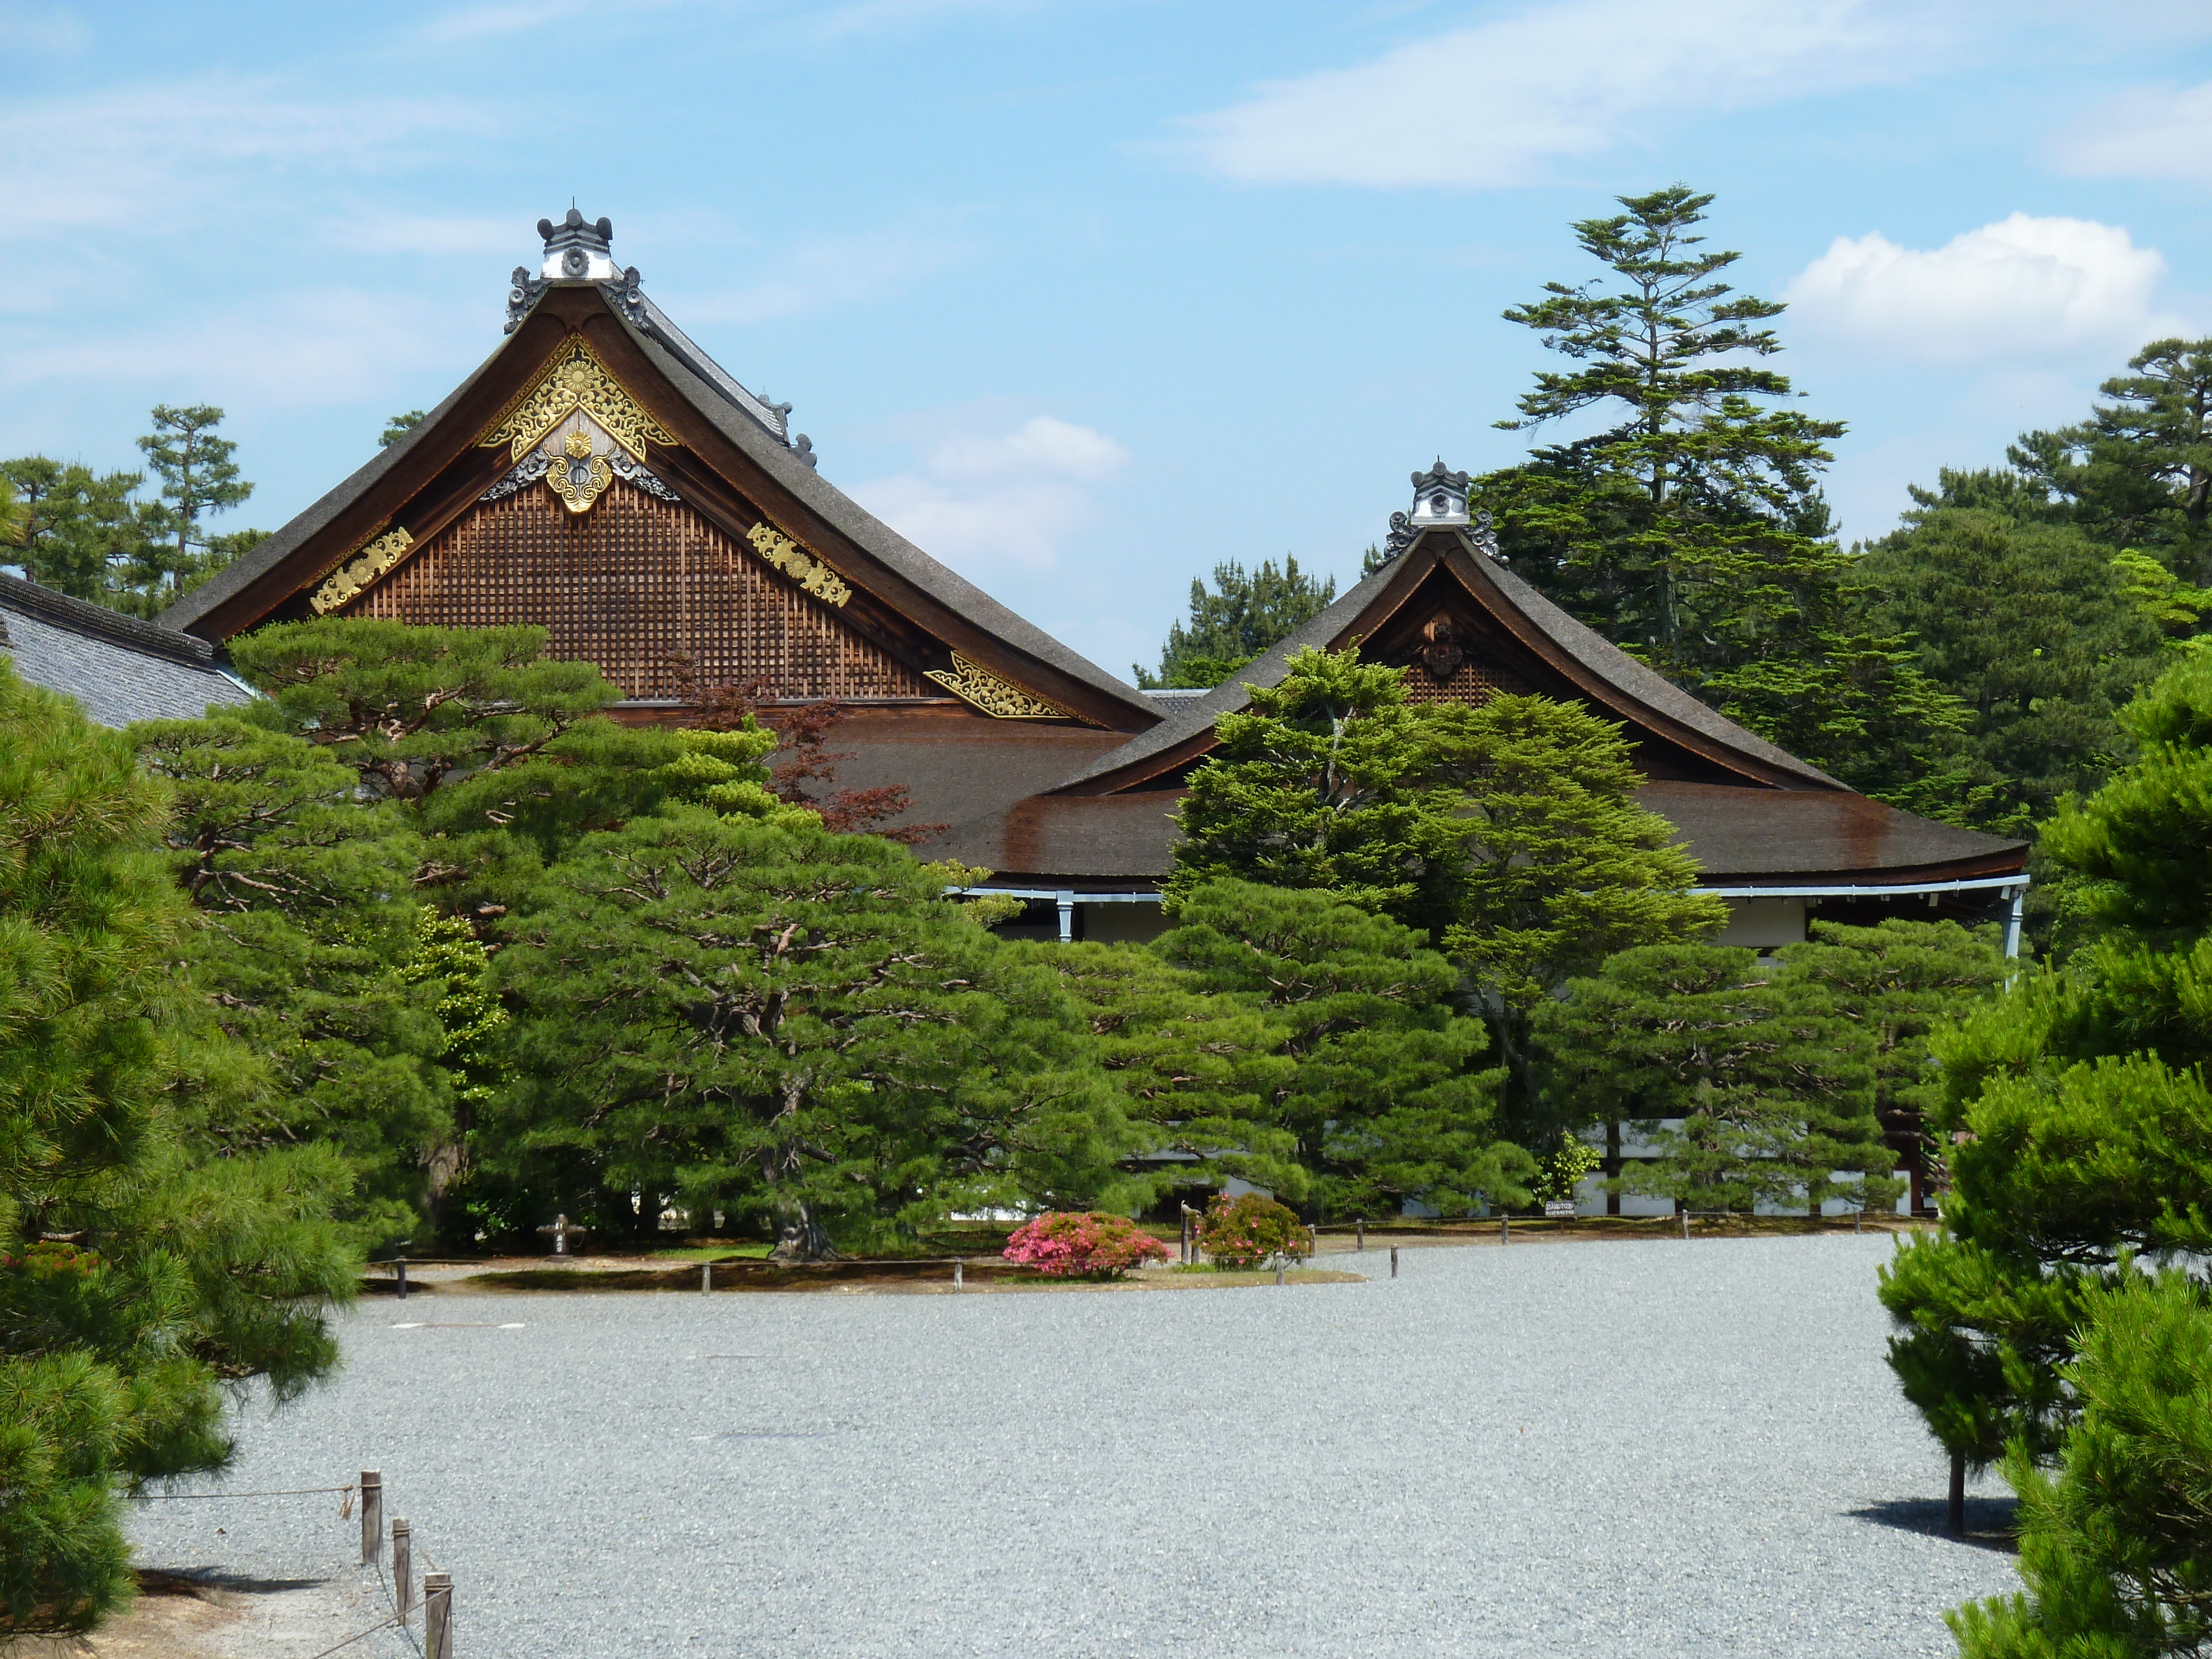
[[358, 1636], [180, 1496]]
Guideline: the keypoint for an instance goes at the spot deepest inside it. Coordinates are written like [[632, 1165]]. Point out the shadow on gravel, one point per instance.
[[190, 1581], [1989, 1520]]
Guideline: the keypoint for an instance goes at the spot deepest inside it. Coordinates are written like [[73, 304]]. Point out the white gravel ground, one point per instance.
[[1606, 1448]]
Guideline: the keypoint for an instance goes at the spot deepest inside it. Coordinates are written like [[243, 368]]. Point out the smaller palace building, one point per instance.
[[600, 476]]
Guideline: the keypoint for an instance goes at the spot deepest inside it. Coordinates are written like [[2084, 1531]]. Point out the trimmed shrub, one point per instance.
[[1083, 1245], [1245, 1231]]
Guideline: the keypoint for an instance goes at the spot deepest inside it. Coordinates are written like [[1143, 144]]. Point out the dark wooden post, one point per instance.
[[1362, 1235], [372, 1516], [437, 1615], [1612, 1167], [1394, 1262], [402, 1565], [1686, 1225], [1506, 1230], [706, 1277], [1957, 1504], [399, 1265], [1313, 1241]]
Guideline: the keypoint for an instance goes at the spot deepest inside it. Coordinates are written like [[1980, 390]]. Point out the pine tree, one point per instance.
[[398, 426], [2029, 626], [1691, 532], [1321, 783], [1564, 867], [1898, 982], [1244, 615], [2138, 471], [79, 531], [198, 478], [787, 1024], [138, 1275], [2077, 1106], [1203, 1072], [1754, 1090], [1387, 1101], [2116, 1547]]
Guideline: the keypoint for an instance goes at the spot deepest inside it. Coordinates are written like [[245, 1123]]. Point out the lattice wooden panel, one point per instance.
[[1473, 683], [629, 585]]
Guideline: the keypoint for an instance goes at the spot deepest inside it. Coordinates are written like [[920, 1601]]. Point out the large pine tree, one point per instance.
[[1689, 528]]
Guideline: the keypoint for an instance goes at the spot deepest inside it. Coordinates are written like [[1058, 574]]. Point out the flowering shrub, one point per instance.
[[1088, 1244], [1245, 1231]]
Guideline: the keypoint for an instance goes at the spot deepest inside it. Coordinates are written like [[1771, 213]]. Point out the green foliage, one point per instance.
[[78, 531], [185, 1271], [781, 1022], [2138, 471], [2029, 625], [1385, 1100], [2082, 1124], [2169, 604], [1691, 532], [1770, 1085], [1202, 1071], [1321, 784], [2116, 1546], [1898, 982], [1564, 867], [1244, 615], [309, 915], [197, 476], [1565, 1169], [1250, 1230], [398, 426]]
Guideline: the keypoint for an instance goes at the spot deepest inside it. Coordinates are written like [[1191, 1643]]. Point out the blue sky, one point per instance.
[[1085, 294]]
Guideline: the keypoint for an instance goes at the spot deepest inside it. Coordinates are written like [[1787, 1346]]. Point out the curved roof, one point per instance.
[[120, 668]]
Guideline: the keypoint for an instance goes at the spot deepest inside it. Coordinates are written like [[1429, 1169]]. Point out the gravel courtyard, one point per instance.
[[1650, 1449]]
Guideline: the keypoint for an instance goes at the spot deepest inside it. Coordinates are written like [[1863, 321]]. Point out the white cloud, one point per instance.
[[1499, 103], [982, 502], [2024, 286], [42, 29], [2150, 132], [171, 160], [823, 273]]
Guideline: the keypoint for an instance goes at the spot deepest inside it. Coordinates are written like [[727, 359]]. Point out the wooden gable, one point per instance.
[[586, 480]]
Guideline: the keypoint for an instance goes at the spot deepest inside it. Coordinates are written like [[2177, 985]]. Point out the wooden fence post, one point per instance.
[[1280, 1259], [403, 1566], [1362, 1235], [1506, 1230], [1685, 1226], [401, 1264], [706, 1277], [437, 1615], [372, 1516], [956, 1265], [1394, 1262]]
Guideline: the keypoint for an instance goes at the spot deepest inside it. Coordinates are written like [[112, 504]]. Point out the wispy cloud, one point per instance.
[[1502, 103], [987, 501], [824, 273], [2147, 132], [50, 29], [170, 159], [2023, 287]]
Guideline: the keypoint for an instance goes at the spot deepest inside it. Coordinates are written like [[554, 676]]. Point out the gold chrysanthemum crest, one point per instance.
[[575, 379], [796, 562]]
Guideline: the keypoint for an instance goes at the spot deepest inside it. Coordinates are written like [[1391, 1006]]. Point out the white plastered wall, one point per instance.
[[1762, 923]]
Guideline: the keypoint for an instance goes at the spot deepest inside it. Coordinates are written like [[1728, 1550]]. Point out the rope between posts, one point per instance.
[[382, 1624], [178, 1496]]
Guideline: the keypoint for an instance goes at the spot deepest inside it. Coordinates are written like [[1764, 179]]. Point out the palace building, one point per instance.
[[601, 476]]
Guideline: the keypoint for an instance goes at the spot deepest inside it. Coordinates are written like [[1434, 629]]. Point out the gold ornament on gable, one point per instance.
[[796, 562], [374, 557], [575, 379], [1001, 699]]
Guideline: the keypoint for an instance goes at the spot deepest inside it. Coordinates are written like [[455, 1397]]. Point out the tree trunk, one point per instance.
[[1958, 1505], [800, 1237]]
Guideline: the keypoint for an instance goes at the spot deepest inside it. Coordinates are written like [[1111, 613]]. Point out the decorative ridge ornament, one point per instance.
[[796, 562], [575, 379], [372, 557], [1001, 699], [1485, 538]]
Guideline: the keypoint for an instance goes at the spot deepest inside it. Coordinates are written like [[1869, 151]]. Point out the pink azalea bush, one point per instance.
[[1245, 1230], [1083, 1245]]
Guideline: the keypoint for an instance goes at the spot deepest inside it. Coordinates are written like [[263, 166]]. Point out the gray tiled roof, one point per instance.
[[119, 668]]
